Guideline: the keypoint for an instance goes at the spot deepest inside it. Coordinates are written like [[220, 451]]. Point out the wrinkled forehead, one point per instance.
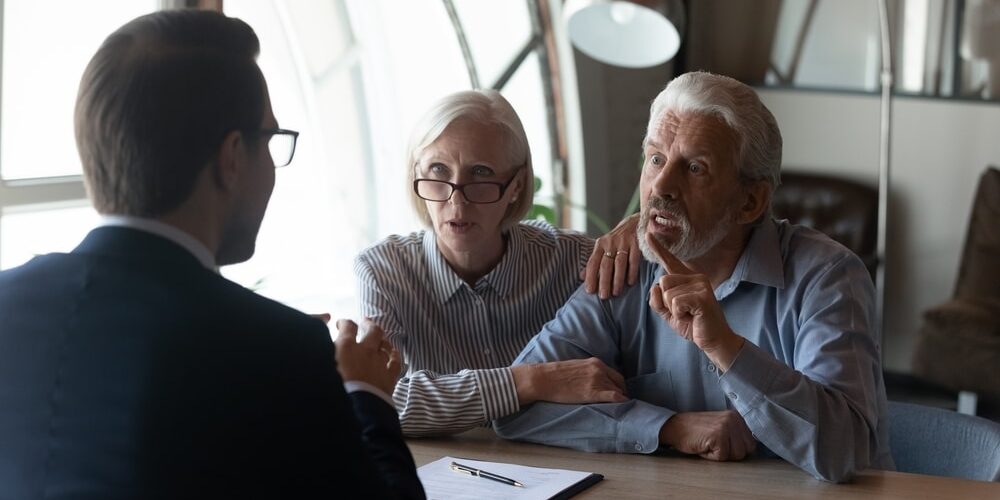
[[670, 123], [471, 139]]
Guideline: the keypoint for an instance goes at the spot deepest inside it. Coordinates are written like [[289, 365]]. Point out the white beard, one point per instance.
[[691, 244]]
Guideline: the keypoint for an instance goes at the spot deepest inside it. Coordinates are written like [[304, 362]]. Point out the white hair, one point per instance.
[[759, 154], [487, 107]]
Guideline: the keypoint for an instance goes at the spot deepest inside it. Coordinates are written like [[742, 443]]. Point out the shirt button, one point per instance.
[[486, 352], [711, 368], [638, 447], [733, 396]]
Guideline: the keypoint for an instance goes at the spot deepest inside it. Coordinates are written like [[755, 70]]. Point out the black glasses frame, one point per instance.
[[461, 188], [281, 131]]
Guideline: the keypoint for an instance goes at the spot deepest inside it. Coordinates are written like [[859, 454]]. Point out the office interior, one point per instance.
[[353, 76]]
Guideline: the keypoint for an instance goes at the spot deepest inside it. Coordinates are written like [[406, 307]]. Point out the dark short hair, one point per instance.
[[156, 102]]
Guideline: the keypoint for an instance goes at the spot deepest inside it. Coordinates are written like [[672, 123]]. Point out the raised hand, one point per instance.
[[616, 257], [686, 300], [372, 360], [574, 381]]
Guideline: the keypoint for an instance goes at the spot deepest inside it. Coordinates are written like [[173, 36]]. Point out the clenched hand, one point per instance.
[[715, 435]]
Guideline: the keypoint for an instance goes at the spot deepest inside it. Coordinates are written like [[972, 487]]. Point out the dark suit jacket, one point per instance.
[[128, 370]]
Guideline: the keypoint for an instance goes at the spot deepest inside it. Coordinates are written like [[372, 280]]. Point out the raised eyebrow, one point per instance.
[[646, 144], [428, 165]]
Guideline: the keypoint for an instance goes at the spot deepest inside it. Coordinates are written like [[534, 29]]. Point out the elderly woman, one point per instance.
[[461, 300]]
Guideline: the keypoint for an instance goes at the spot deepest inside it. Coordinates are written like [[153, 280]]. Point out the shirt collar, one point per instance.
[[504, 278], [444, 282], [760, 263], [166, 231]]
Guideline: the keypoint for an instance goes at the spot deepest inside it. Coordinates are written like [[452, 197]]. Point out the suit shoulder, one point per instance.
[[255, 309]]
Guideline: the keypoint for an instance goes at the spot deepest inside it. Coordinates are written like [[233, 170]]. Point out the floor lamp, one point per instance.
[[885, 143], [628, 34]]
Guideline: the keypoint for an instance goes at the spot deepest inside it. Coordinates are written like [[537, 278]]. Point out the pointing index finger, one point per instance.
[[672, 264]]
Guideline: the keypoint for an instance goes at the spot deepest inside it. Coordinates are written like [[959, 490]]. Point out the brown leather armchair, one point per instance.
[[844, 210], [959, 343]]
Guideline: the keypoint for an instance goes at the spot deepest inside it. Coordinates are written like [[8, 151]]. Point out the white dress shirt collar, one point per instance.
[[185, 240]]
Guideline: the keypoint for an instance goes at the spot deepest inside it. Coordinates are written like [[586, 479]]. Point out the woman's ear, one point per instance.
[[229, 161], [756, 199], [516, 186]]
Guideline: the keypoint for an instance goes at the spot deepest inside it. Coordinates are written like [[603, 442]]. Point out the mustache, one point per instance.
[[662, 205]]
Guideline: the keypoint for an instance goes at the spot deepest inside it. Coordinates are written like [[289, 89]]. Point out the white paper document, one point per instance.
[[442, 483]]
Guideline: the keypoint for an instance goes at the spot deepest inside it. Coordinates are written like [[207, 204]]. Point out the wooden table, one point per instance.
[[669, 475]]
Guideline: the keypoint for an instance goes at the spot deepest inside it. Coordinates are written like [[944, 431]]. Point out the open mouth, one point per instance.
[[663, 221], [459, 226]]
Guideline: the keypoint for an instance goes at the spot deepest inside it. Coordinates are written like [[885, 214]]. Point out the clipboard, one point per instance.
[[441, 483]]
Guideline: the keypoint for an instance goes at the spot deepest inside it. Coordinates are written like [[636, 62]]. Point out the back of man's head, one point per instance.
[[155, 103]]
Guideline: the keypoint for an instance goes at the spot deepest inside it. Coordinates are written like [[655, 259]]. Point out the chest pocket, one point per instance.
[[654, 388]]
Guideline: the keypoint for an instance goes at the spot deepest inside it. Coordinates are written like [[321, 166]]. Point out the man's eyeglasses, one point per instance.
[[281, 144], [473, 192]]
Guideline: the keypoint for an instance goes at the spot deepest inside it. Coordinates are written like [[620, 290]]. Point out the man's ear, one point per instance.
[[229, 161], [756, 199]]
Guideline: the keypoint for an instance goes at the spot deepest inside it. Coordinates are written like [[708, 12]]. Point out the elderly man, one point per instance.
[[747, 330], [128, 367]]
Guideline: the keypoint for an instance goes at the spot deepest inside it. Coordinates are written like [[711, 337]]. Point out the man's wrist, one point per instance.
[[723, 355], [359, 385], [665, 431]]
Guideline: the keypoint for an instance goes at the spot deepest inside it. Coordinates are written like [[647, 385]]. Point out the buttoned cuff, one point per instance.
[[639, 430], [357, 385], [499, 394], [749, 378]]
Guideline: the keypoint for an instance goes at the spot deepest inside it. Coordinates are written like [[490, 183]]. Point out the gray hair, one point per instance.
[[759, 155], [482, 106]]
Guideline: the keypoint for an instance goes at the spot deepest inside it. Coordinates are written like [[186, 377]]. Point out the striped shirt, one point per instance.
[[458, 341]]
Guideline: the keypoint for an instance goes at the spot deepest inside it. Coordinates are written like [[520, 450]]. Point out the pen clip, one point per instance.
[[463, 469]]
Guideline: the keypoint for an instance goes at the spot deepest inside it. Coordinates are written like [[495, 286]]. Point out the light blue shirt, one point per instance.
[[808, 381]]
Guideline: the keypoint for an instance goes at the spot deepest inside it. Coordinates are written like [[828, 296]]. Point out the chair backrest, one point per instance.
[[979, 273], [844, 210], [927, 440]]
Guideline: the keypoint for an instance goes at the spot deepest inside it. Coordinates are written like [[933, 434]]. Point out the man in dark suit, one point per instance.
[[129, 368]]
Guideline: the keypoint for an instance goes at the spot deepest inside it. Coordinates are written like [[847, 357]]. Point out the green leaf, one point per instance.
[[541, 212]]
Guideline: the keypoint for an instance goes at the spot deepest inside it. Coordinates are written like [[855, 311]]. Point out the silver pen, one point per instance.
[[472, 471]]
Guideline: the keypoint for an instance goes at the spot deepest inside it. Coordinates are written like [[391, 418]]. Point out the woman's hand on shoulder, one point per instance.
[[615, 259]]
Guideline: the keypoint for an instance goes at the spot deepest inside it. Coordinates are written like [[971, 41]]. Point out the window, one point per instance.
[[43, 206], [354, 76]]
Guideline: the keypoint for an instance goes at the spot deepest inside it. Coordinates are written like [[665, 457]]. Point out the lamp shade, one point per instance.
[[631, 34]]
